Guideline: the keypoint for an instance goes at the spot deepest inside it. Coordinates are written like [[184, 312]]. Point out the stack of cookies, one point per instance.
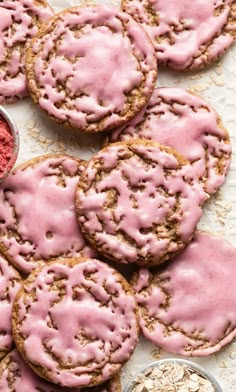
[[73, 318]]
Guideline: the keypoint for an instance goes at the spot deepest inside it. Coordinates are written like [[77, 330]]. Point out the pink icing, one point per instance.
[[27, 381], [9, 285], [200, 285], [185, 28], [92, 326], [42, 206], [13, 33], [162, 181], [178, 119], [97, 63]]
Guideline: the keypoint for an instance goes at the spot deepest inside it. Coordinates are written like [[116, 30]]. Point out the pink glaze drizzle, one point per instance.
[[161, 172], [99, 65], [91, 326], [201, 285], [9, 285], [42, 207], [13, 33], [185, 122], [184, 27]]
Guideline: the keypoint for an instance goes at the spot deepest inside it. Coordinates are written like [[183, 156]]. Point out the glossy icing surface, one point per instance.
[[37, 218], [18, 23], [104, 61], [15, 373], [10, 283], [178, 119], [78, 321], [189, 308], [186, 34], [137, 202]]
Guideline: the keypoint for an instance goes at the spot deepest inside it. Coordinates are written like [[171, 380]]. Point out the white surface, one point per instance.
[[218, 86]]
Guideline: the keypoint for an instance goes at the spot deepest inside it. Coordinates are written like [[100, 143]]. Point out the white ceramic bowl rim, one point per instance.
[[186, 362], [15, 134]]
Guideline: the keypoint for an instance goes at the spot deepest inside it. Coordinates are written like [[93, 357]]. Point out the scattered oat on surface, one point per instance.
[[232, 354], [56, 145], [197, 88], [219, 207], [223, 365], [156, 353]]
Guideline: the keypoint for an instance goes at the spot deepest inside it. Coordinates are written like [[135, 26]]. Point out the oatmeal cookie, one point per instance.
[[17, 376], [188, 308], [10, 283], [20, 21], [178, 119], [75, 322], [187, 35], [93, 68], [138, 202], [37, 216]]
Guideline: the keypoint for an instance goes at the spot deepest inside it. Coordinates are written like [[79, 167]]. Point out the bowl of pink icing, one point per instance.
[[9, 143]]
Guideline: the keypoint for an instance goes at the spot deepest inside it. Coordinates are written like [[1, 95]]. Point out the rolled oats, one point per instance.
[[172, 377]]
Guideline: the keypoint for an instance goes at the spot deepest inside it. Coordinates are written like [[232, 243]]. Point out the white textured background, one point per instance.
[[218, 86]]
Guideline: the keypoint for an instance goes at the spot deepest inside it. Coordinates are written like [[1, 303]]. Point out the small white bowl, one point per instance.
[[14, 131], [201, 371]]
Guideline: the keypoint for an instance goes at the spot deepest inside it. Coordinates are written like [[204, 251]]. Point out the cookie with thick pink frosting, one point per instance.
[[188, 308], [20, 21], [75, 322], [37, 216], [138, 202], [10, 283], [93, 68], [186, 34], [178, 119], [17, 376]]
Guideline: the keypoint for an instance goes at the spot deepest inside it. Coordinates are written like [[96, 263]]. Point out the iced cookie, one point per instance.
[[20, 21], [176, 118], [186, 34], [188, 308], [10, 283], [93, 68], [138, 202], [37, 215], [17, 376], [75, 322]]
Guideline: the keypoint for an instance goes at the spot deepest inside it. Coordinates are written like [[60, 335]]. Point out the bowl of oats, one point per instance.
[[173, 375]]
